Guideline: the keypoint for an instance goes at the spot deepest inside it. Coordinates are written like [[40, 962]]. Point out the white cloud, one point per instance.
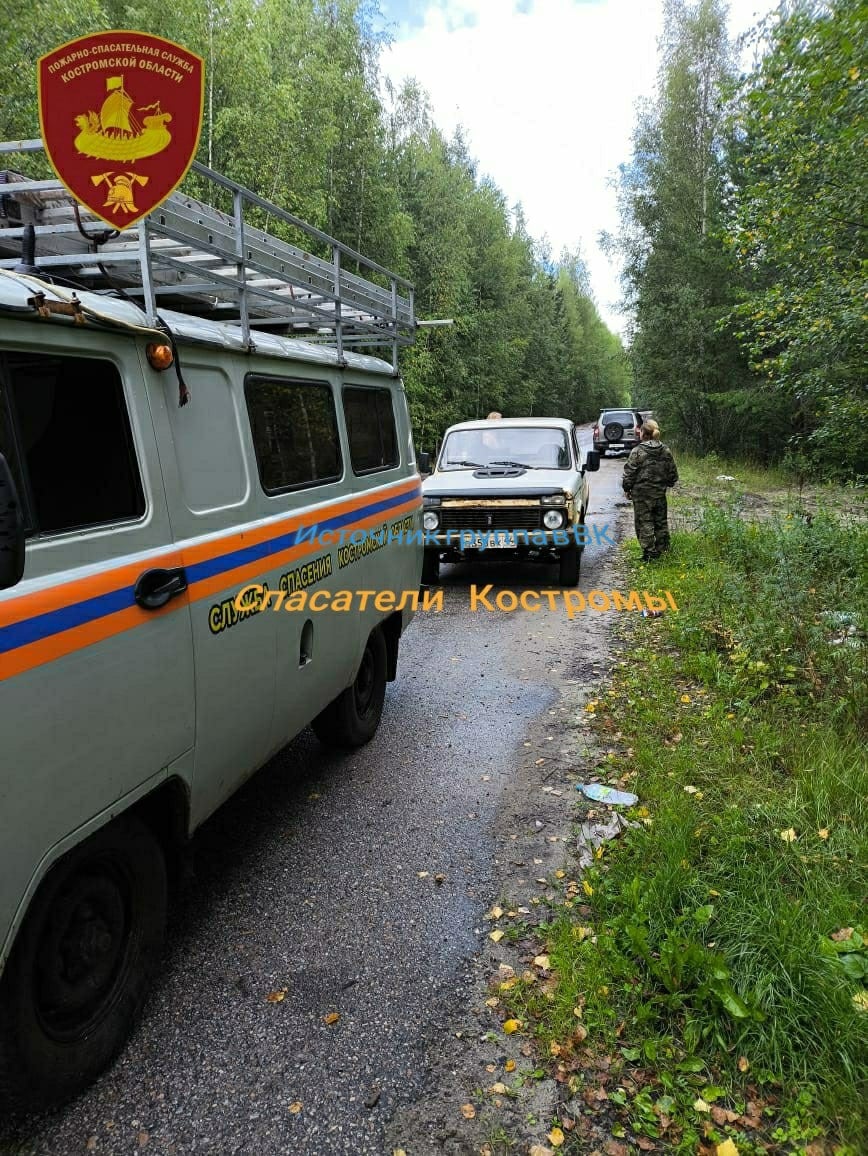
[[546, 93]]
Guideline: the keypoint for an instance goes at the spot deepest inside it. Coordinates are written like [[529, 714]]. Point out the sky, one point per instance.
[[545, 91]]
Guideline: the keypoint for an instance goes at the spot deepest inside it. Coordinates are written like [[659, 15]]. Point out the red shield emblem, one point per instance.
[[121, 114]]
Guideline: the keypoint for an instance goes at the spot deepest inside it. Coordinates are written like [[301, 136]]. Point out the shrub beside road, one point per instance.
[[710, 983]]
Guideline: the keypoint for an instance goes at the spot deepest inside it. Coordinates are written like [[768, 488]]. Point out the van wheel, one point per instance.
[[430, 568], [80, 967], [351, 720], [570, 561]]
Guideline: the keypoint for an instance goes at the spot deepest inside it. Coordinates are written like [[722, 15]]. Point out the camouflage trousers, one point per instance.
[[651, 520]]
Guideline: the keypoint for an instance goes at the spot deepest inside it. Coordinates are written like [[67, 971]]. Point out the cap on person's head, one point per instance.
[[650, 427], [494, 415]]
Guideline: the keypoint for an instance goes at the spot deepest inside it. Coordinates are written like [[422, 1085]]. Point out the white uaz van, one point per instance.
[[169, 618]]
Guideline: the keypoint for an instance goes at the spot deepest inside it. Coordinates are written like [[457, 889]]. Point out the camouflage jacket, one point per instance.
[[650, 469]]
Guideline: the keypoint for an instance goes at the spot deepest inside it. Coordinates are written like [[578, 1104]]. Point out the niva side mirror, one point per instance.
[[424, 462], [592, 461], [11, 529]]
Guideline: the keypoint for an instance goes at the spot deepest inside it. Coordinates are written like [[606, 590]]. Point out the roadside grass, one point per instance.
[[719, 965], [705, 470], [770, 490]]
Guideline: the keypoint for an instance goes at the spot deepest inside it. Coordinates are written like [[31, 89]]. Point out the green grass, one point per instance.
[[712, 922], [705, 471]]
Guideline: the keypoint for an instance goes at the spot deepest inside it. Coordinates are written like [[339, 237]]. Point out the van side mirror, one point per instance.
[[11, 529], [424, 462], [592, 461]]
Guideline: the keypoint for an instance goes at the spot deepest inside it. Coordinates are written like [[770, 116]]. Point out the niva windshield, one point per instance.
[[534, 448]]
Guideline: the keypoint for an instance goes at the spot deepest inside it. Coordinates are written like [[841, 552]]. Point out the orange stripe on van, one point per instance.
[[80, 589]]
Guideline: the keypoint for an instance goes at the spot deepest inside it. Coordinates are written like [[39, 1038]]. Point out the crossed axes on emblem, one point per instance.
[[120, 190]]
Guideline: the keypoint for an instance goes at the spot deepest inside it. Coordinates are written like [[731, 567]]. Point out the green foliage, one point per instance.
[[797, 222], [680, 279], [744, 237], [293, 110]]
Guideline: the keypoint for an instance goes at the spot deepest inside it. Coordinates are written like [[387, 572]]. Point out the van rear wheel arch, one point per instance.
[[81, 964]]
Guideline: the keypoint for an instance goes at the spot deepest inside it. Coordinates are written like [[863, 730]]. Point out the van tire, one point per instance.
[[570, 564], [430, 568], [96, 923], [351, 720]]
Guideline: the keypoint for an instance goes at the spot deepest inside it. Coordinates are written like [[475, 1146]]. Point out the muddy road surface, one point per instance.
[[355, 885]]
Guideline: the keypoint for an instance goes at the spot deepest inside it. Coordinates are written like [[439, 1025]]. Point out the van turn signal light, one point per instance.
[[160, 356]]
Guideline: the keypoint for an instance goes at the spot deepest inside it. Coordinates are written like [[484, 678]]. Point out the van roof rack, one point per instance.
[[193, 257]]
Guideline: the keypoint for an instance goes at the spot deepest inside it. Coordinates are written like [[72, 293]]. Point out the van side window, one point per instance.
[[295, 432], [68, 418], [370, 429]]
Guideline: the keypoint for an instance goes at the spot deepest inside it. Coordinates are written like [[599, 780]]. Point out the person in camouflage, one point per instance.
[[650, 470]]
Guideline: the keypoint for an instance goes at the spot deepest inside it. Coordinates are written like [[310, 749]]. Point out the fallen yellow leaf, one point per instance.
[[508, 983], [295, 1107], [540, 1150], [685, 698], [541, 961], [554, 1048], [789, 836], [492, 1001], [556, 1137], [495, 913], [422, 874], [468, 1111], [276, 996], [700, 1105], [399, 1152], [587, 888], [692, 790], [823, 833], [743, 1063], [582, 932], [331, 1018], [496, 935], [511, 1026], [727, 1148], [509, 1066], [498, 1089], [560, 874], [860, 1000]]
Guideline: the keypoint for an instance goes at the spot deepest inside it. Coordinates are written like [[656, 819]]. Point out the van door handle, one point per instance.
[[154, 588]]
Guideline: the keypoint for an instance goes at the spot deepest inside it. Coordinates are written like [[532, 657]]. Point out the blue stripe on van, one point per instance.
[[64, 618], [236, 558], [78, 613]]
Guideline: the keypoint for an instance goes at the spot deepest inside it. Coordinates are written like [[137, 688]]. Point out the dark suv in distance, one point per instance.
[[617, 429]]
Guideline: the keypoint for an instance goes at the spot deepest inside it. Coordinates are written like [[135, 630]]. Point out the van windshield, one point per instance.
[[533, 447]]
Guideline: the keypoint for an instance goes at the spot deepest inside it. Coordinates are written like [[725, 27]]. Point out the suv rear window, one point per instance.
[[295, 432], [624, 417], [65, 430], [370, 429]]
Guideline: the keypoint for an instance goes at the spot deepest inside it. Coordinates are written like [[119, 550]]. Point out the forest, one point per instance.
[[743, 236], [295, 109], [742, 210]]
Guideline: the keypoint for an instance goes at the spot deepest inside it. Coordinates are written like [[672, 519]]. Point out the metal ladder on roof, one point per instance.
[[194, 257]]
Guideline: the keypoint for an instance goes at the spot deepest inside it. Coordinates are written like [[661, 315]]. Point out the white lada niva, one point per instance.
[[508, 488]]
